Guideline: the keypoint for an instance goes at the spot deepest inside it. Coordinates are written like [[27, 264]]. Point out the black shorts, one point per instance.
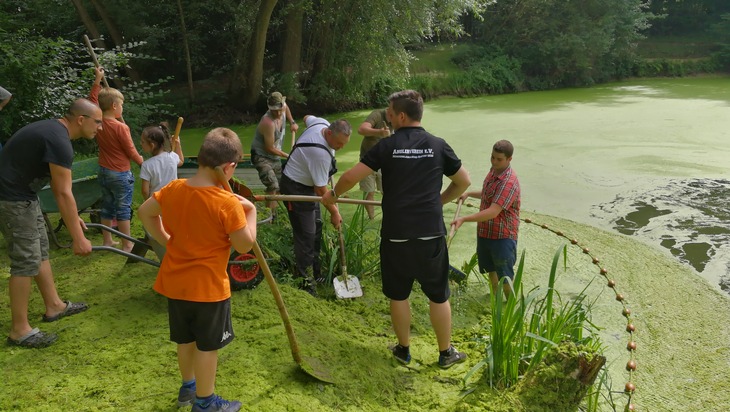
[[426, 261], [208, 324]]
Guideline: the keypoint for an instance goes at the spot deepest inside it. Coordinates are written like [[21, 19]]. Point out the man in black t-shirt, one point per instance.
[[34, 154], [413, 245]]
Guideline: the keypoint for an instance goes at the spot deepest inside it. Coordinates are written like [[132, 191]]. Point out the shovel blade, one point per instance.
[[347, 287]]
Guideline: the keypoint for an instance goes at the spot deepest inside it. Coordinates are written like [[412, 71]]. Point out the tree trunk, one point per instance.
[[89, 24], [291, 51], [186, 49], [323, 43], [115, 34], [255, 60]]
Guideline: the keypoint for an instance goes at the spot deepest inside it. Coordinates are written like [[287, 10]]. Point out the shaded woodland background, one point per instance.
[[214, 61]]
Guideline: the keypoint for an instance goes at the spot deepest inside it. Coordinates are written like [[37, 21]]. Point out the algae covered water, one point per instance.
[[649, 158]]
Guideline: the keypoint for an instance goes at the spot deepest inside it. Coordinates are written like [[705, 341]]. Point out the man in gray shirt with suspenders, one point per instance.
[[310, 165]]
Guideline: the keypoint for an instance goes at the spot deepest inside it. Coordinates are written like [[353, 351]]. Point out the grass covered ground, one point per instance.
[[117, 355]]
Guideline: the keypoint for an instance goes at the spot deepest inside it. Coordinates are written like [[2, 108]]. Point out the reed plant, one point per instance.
[[600, 396], [362, 243], [525, 325]]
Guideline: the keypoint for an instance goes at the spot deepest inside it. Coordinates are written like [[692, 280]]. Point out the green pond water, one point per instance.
[[648, 157]]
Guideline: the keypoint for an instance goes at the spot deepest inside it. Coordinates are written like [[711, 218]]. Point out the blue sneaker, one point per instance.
[[186, 396], [217, 404]]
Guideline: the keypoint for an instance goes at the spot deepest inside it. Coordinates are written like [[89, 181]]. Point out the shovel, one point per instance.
[[454, 273], [310, 366], [346, 286]]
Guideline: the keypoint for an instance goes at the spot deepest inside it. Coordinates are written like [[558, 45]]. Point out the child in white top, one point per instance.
[[161, 168]]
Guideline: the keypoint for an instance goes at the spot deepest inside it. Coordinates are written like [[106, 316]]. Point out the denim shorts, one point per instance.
[[25, 234], [116, 194], [497, 255]]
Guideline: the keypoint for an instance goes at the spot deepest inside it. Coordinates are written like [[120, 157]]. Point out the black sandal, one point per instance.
[[34, 339], [71, 309]]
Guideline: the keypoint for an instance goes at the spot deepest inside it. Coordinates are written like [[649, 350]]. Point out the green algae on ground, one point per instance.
[[117, 355]]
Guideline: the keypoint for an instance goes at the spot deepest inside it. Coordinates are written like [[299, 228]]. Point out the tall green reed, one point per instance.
[[524, 326]]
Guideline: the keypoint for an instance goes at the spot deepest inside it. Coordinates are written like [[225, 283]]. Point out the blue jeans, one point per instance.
[[116, 194]]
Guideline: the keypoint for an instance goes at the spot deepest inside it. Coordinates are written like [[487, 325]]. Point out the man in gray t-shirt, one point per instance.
[[307, 172]]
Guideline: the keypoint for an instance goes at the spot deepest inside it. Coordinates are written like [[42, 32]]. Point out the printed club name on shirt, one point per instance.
[[412, 153]]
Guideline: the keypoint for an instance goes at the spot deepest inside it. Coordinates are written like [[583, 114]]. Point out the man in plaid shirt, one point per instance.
[[498, 217]]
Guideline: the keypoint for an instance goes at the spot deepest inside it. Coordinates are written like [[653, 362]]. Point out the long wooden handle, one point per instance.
[[453, 227], [293, 138], [271, 281], [178, 127], [93, 57], [343, 254], [176, 136], [305, 198]]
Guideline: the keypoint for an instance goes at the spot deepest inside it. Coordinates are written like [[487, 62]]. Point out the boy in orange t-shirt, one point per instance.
[[201, 223], [116, 150]]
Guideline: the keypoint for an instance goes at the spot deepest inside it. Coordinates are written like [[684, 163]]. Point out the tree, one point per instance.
[[291, 50], [721, 31], [680, 17], [115, 34], [565, 43], [254, 61], [355, 51], [186, 49]]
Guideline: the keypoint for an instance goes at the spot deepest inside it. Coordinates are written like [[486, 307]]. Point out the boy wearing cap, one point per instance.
[[266, 150]]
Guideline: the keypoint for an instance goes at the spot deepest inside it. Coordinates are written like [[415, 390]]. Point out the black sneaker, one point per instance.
[[309, 288], [452, 357], [401, 354]]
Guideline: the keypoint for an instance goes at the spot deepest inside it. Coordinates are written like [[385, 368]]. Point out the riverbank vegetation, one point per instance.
[[328, 61]]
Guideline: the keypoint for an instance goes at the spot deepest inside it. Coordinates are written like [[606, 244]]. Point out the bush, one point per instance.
[[483, 71], [674, 67], [45, 75]]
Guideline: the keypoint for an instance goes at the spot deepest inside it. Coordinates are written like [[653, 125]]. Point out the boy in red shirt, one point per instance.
[[116, 150], [201, 223]]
